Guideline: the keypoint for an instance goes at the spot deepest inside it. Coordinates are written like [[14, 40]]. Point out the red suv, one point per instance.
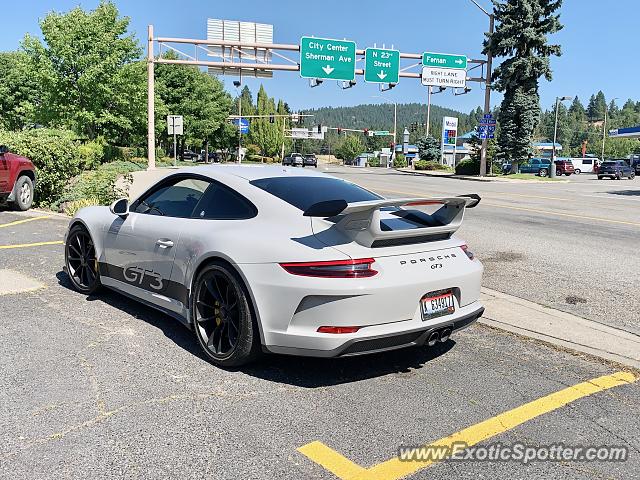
[[17, 179], [564, 167]]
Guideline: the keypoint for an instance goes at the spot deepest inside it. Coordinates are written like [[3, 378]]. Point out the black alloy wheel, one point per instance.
[[223, 322], [81, 260]]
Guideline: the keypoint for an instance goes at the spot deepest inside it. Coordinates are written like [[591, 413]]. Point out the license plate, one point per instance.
[[437, 304]]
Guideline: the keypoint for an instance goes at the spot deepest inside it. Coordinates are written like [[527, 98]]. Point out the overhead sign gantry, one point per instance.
[[319, 59]]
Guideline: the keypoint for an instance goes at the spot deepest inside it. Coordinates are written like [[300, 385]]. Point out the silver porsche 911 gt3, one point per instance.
[[285, 260]]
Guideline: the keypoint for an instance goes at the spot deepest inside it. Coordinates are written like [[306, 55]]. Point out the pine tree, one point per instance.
[[428, 148], [521, 37]]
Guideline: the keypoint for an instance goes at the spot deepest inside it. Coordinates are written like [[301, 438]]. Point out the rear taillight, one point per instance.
[[338, 329], [468, 252], [332, 269]]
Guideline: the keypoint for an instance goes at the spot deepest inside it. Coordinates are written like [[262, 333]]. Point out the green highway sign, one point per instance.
[[327, 59], [444, 60], [381, 133], [381, 65]]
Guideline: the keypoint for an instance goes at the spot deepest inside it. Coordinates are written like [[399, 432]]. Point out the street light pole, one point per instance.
[[487, 90], [552, 167], [395, 121]]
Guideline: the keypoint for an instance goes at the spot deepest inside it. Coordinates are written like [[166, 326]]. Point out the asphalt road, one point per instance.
[[571, 246], [102, 387]]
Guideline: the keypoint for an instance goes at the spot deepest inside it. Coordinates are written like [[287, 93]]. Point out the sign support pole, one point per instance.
[[175, 152], [428, 109], [151, 126]]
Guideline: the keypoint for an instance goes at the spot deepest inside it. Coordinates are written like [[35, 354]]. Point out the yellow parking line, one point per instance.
[[394, 469], [25, 245], [18, 222], [526, 209]]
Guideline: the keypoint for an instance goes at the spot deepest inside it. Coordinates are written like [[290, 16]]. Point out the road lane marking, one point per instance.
[[18, 222], [526, 209], [25, 245], [394, 469]]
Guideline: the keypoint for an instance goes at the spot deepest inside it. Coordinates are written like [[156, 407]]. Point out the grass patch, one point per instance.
[[531, 176]]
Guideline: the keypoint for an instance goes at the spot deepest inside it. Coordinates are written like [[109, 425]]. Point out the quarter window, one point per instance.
[[177, 199], [222, 203]]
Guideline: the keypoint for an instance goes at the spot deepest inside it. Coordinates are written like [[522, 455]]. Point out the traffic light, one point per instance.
[[272, 119], [339, 131], [319, 128], [366, 132]]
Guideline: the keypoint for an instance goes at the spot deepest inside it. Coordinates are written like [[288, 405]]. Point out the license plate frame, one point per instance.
[[437, 304]]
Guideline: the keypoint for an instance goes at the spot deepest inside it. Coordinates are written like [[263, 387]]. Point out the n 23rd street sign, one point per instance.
[[381, 65], [327, 59], [444, 77]]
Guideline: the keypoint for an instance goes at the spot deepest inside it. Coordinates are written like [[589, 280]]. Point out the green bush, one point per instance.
[[102, 186], [56, 155], [373, 162], [472, 167], [91, 154], [253, 152], [430, 165], [399, 161]]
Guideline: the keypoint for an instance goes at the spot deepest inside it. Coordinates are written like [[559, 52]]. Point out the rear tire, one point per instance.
[[600, 177], [223, 321], [24, 193], [577, 171]]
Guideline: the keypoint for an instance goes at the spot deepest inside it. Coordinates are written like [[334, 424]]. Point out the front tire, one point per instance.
[[24, 193], [543, 172], [81, 261], [222, 318]]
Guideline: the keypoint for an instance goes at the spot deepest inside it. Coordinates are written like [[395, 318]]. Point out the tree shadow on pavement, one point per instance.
[[306, 372]]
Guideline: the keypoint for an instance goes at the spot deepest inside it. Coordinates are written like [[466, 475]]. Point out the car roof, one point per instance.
[[251, 172]]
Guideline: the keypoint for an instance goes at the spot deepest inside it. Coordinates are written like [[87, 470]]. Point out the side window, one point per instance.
[[535, 162], [174, 200], [222, 203], [587, 162]]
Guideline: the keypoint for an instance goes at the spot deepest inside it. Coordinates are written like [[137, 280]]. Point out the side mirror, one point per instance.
[[120, 207], [4, 149]]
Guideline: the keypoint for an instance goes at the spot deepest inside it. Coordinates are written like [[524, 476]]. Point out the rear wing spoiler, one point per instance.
[[361, 220]]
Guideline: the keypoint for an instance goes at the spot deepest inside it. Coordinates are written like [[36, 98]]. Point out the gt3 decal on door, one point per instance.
[[140, 276]]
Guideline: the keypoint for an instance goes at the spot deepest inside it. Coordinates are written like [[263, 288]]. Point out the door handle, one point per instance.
[[164, 243]]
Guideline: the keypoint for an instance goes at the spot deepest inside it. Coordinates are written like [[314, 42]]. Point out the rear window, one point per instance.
[[302, 192]]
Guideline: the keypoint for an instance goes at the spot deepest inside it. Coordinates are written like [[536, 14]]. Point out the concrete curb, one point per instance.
[[474, 179], [529, 319]]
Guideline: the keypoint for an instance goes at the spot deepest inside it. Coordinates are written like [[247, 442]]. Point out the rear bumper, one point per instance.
[[383, 342]]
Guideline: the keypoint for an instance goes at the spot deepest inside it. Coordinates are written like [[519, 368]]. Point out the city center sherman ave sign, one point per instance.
[[327, 59]]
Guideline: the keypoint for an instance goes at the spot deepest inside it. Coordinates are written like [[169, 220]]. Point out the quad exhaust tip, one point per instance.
[[441, 335], [445, 334]]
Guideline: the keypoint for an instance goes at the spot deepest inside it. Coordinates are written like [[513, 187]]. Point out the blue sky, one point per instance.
[[599, 40]]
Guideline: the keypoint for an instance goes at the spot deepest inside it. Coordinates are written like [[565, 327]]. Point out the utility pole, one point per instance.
[[151, 125], [487, 90]]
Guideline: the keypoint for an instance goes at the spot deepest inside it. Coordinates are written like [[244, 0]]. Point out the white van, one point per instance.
[[584, 165]]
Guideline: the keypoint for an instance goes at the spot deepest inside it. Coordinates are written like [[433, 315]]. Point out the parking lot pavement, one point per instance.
[[571, 246], [102, 387]]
